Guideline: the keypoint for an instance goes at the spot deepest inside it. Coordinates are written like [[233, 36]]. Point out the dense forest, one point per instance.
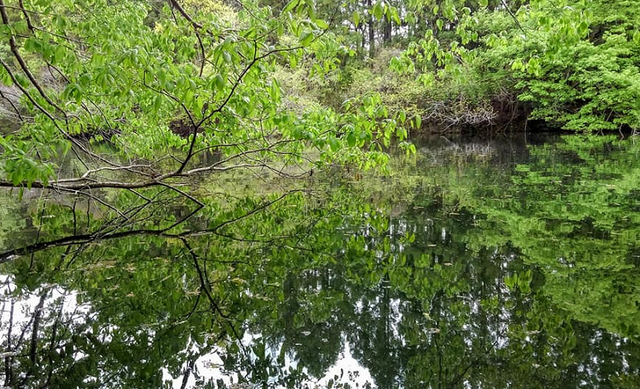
[[150, 77], [269, 194]]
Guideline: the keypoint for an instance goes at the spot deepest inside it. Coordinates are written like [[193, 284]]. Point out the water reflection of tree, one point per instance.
[[424, 298]]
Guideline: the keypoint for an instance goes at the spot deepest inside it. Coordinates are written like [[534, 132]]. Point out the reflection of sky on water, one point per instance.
[[19, 318], [25, 305], [17, 311], [345, 370]]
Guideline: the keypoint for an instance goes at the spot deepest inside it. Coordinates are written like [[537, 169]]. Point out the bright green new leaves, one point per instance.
[[572, 64], [378, 10], [163, 88]]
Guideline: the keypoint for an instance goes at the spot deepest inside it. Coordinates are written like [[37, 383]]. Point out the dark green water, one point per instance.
[[509, 262]]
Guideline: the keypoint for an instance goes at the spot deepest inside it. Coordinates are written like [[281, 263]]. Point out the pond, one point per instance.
[[486, 262]]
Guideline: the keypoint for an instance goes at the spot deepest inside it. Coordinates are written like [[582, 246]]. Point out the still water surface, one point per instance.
[[510, 262]]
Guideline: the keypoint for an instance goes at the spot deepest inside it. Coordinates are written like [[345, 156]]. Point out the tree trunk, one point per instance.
[[372, 34], [386, 34]]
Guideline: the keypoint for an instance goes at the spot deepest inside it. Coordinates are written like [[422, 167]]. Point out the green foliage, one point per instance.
[[10, 225], [572, 64], [161, 91], [509, 268]]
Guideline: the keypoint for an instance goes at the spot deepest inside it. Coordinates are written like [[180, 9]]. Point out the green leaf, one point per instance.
[[218, 82], [188, 96], [533, 66], [291, 5], [306, 38], [395, 16], [378, 11], [274, 91], [403, 116], [59, 54], [517, 64], [157, 103], [322, 24], [511, 281], [356, 19], [410, 18], [31, 45], [334, 144], [583, 28], [351, 139], [226, 56], [22, 80]]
